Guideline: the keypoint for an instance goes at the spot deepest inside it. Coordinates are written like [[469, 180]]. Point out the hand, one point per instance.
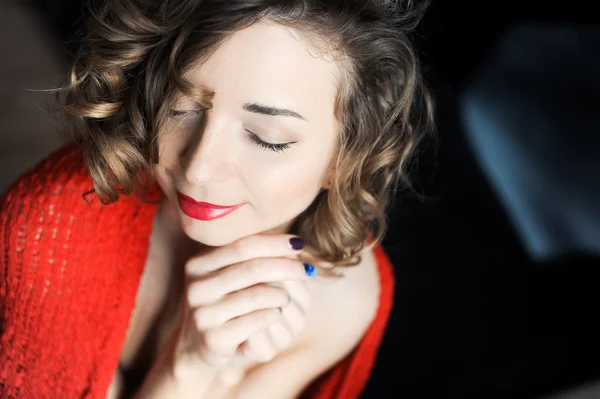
[[234, 293], [267, 343]]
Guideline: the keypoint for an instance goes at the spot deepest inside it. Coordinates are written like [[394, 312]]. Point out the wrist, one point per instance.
[[217, 381], [168, 379], [190, 369]]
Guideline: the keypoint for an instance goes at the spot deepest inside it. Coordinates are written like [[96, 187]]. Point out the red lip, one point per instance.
[[203, 210]]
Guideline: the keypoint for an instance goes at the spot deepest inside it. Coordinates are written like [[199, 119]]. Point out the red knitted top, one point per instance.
[[69, 275]]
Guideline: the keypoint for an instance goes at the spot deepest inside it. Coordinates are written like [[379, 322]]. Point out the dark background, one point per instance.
[[474, 317]]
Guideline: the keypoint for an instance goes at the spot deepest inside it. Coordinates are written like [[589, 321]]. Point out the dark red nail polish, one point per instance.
[[296, 243]]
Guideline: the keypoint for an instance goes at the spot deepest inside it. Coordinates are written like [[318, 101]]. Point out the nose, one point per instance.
[[207, 155]]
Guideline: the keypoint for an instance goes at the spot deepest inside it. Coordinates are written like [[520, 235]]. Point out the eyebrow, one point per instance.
[[272, 111]]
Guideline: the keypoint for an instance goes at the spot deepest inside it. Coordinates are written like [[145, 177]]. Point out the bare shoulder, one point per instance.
[[360, 282], [346, 305]]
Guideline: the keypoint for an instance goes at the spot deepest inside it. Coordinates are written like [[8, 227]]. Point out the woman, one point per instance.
[[240, 153]]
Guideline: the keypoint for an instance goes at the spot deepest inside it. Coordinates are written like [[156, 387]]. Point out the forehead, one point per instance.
[[271, 64]]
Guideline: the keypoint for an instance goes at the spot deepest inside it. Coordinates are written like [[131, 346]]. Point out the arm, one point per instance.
[[165, 381]]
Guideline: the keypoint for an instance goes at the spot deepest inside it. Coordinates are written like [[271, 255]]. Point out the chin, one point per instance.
[[209, 233], [221, 232]]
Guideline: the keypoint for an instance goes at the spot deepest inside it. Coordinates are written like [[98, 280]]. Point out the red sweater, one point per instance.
[[69, 275]]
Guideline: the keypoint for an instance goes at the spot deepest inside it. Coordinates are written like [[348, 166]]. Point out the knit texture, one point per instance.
[[69, 274]]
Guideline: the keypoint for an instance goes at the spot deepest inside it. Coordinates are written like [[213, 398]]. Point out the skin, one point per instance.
[[211, 156]]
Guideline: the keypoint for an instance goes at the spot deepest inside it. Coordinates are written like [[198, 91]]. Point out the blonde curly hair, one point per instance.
[[126, 77]]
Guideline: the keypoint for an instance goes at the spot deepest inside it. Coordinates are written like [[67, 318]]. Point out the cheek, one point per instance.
[[288, 188]]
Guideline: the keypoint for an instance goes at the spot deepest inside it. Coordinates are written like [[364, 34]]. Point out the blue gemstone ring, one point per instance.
[[310, 270]]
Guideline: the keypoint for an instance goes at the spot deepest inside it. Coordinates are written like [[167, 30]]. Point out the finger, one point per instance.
[[259, 347], [254, 246], [239, 303], [243, 275], [281, 336], [294, 317], [224, 340], [298, 292]]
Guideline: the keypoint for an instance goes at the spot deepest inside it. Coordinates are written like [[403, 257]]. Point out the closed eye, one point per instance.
[[269, 146], [260, 142], [178, 113]]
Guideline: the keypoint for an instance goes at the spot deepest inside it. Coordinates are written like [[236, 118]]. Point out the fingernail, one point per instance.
[[310, 270], [296, 243]]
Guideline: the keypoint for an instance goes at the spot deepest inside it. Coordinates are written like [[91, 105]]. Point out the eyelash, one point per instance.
[[174, 113], [269, 146], [261, 143]]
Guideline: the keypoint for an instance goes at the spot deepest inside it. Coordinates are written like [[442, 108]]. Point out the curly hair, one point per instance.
[[128, 73]]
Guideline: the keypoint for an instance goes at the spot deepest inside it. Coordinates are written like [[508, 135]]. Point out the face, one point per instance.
[[265, 144]]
